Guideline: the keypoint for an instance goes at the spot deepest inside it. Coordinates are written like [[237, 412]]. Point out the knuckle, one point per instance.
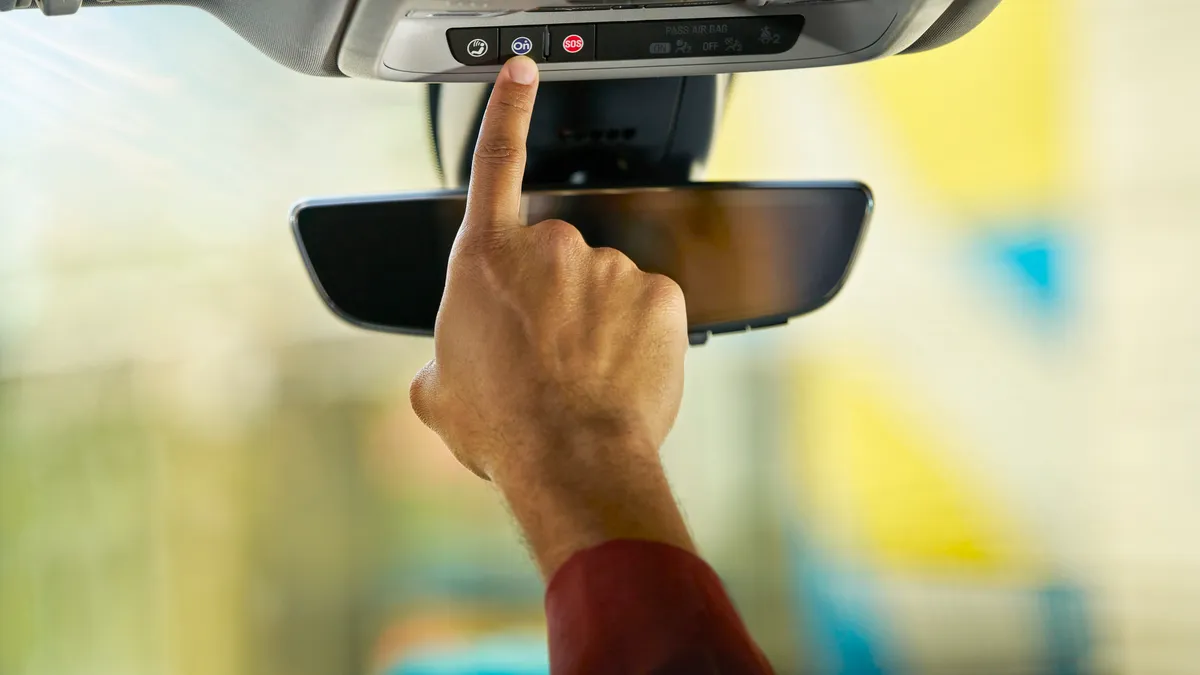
[[475, 251], [664, 292], [561, 237], [613, 261]]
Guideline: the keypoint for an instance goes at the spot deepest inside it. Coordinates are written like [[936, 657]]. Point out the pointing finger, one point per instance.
[[494, 194]]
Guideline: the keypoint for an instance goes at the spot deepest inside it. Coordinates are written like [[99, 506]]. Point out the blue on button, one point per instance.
[[522, 46]]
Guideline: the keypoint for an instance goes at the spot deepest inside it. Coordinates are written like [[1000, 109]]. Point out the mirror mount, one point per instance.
[[595, 133]]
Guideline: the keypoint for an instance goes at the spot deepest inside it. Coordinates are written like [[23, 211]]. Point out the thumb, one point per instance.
[[423, 394]]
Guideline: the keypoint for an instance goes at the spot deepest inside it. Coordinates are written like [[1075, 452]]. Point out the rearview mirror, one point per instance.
[[745, 255]]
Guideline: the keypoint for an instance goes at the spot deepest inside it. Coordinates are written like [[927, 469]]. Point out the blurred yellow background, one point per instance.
[[983, 456]]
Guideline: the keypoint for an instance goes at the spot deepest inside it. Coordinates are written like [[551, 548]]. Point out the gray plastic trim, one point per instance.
[[59, 7], [959, 19], [303, 35]]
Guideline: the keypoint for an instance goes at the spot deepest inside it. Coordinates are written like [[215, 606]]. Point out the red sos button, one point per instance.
[[573, 44]]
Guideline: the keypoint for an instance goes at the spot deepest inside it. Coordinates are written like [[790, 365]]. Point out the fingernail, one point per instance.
[[522, 70]]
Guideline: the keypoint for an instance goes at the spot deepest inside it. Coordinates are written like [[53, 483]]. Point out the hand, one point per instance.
[[558, 368]]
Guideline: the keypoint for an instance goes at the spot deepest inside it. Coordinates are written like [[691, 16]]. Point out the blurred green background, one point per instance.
[[983, 457]]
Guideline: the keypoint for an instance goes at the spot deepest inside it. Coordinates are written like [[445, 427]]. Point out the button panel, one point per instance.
[[628, 40]]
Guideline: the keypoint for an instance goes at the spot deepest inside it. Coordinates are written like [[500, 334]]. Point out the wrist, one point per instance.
[[550, 455], [580, 492]]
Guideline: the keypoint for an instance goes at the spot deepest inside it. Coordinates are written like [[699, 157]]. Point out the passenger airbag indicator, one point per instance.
[[708, 37]]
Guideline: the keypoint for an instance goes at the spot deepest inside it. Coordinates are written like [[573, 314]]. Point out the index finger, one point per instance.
[[494, 193]]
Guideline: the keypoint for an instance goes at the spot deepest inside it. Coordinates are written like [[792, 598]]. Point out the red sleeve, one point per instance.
[[644, 607]]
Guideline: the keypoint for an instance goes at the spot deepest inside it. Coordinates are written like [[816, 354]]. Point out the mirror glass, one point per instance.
[[744, 255]]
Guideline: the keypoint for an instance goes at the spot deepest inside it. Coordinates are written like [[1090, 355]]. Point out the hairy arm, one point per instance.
[[557, 374]]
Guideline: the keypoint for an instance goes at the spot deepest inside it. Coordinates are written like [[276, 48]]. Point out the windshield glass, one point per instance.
[[981, 457]]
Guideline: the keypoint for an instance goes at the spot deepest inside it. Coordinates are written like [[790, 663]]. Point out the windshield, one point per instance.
[[981, 457]]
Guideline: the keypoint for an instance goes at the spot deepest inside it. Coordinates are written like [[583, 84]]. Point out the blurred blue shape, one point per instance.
[[1034, 262], [1068, 638], [496, 655], [1032, 258], [836, 607], [461, 573]]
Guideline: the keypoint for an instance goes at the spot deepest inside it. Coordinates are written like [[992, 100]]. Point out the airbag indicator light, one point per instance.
[[720, 38], [474, 46], [477, 48]]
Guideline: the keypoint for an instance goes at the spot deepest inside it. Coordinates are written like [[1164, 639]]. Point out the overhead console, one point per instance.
[[468, 40]]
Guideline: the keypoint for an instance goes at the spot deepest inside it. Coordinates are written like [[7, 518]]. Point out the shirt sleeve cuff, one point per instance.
[[638, 607]]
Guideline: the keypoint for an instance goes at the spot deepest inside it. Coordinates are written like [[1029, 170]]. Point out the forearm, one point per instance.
[[626, 591]]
